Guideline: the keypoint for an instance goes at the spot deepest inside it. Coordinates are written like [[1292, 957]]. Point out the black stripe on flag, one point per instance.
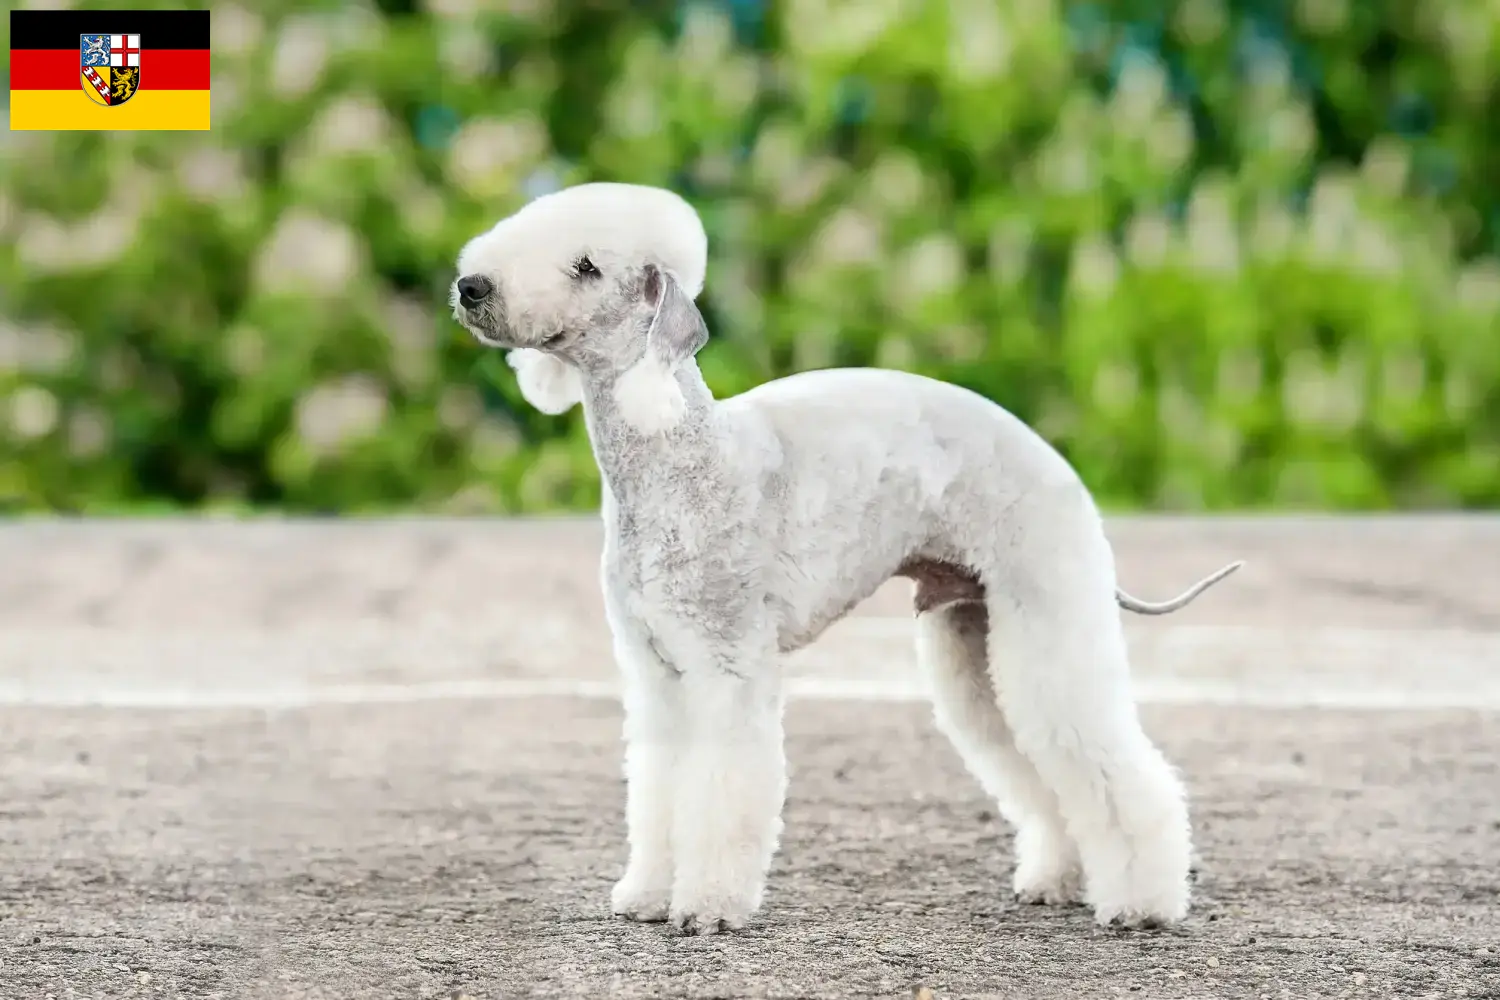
[[59, 29]]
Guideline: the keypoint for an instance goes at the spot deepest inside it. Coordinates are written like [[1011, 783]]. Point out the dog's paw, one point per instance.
[[1158, 910], [1047, 868], [709, 917], [1049, 888], [1131, 920], [640, 903]]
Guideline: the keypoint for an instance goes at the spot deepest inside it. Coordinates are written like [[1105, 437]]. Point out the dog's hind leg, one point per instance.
[[1057, 657], [951, 649]]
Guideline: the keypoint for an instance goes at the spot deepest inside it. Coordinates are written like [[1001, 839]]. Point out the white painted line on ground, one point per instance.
[[798, 689], [862, 659]]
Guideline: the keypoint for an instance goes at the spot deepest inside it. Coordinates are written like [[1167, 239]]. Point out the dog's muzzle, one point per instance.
[[478, 309]]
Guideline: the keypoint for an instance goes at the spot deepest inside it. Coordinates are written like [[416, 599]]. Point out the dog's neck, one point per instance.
[[634, 462]]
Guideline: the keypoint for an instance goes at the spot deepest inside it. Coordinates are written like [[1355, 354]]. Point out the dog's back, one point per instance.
[[877, 469]]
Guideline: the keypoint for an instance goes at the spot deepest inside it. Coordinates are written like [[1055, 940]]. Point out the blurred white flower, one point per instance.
[[1096, 267], [850, 236], [423, 209], [213, 174], [1323, 17], [1290, 131], [1213, 241], [980, 44], [486, 152], [1010, 246], [89, 433], [1478, 286], [1459, 396], [895, 352], [706, 39], [226, 94], [340, 412], [1179, 414], [1330, 217], [301, 53], [463, 10], [234, 31], [1201, 21], [1313, 396], [932, 266], [33, 412], [459, 407], [1403, 376], [807, 184], [1148, 240], [1241, 375], [50, 246], [816, 346], [548, 475], [355, 123], [897, 182], [310, 254], [1066, 166], [245, 351], [38, 349], [492, 441], [963, 342], [1272, 230], [1139, 93], [1387, 165], [466, 54], [1116, 386], [777, 155], [408, 325], [1170, 140], [634, 110], [1374, 249], [474, 500]]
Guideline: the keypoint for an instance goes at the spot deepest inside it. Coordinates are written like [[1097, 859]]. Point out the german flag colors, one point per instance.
[[108, 70]]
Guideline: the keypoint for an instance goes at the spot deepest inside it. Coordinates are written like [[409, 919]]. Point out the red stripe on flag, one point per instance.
[[59, 69]]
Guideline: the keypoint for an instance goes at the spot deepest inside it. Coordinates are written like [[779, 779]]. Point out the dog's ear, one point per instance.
[[677, 330], [647, 393]]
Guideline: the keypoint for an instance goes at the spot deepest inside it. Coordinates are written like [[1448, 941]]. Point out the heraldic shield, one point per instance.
[[111, 67]]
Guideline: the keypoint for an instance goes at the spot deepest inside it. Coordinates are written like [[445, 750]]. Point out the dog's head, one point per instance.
[[600, 276]]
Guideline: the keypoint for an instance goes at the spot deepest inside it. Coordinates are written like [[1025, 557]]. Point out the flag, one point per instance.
[[109, 70]]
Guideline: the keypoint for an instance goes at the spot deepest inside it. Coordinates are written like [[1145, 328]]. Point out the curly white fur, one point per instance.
[[740, 529], [546, 381]]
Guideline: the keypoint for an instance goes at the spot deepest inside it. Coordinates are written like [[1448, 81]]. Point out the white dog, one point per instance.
[[740, 529]]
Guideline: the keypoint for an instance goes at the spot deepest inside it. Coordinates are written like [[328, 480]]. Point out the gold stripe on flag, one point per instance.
[[50, 110]]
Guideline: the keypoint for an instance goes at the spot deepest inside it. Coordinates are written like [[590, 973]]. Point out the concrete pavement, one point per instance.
[[381, 759]]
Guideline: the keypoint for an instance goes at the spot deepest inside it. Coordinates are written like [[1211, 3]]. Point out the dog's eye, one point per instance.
[[584, 268], [555, 339]]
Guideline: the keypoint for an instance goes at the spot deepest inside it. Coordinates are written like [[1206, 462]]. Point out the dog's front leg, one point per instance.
[[653, 739], [731, 783]]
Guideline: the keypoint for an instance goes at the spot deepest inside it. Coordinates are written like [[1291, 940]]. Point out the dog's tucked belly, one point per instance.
[[940, 583]]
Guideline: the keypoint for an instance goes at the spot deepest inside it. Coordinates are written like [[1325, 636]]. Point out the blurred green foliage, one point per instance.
[[1223, 253]]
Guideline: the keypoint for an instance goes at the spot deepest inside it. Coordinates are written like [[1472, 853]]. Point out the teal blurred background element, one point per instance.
[[1223, 253]]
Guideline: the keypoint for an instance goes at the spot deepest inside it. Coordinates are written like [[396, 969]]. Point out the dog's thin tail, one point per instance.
[[1182, 600]]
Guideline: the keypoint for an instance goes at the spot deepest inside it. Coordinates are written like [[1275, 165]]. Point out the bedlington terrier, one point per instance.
[[739, 529]]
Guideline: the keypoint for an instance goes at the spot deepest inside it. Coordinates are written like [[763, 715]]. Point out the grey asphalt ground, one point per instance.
[[349, 760]]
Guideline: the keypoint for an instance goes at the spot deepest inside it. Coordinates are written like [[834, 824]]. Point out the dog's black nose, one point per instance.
[[474, 289]]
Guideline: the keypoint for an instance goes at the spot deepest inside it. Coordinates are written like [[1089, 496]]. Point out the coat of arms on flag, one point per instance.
[[111, 67]]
